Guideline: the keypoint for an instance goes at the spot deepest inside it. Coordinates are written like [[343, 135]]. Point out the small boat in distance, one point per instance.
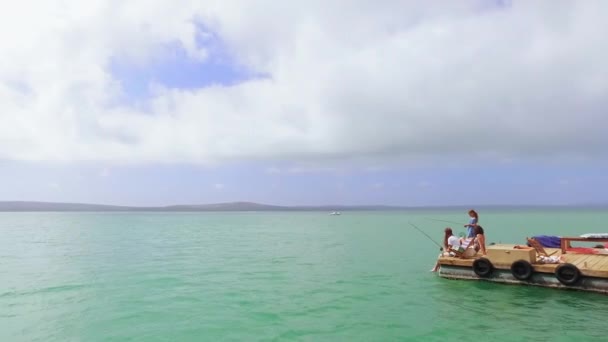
[[335, 213]]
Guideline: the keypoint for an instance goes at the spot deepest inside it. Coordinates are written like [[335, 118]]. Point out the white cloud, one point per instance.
[[54, 186], [347, 79], [273, 170], [312, 169], [105, 172], [219, 186]]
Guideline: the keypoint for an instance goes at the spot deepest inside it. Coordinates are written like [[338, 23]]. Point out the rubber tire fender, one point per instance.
[[483, 267], [567, 274], [522, 270]]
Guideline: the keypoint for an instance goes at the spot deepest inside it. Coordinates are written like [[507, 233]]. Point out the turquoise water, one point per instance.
[[272, 277]]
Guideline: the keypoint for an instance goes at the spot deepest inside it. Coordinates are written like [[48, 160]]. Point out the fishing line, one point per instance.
[[425, 234], [432, 219]]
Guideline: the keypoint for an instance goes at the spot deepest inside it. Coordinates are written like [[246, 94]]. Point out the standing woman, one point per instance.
[[472, 223]]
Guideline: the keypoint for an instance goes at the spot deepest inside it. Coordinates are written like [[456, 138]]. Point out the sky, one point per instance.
[[412, 103]]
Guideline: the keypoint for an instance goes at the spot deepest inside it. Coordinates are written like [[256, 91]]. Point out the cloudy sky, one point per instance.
[[146, 102]]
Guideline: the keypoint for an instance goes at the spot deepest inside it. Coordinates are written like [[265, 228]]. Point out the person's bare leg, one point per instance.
[[482, 243], [436, 268]]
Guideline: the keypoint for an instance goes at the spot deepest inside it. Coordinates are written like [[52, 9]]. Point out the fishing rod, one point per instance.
[[432, 219], [427, 235]]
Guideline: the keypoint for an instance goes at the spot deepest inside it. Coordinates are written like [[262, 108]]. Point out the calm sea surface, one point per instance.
[[274, 277]]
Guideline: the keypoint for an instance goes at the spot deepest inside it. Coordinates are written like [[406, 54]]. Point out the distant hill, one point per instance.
[[232, 206], [50, 206], [250, 206]]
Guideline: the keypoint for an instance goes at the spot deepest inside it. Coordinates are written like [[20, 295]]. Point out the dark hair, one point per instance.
[[448, 233], [474, 213], [478, 230]]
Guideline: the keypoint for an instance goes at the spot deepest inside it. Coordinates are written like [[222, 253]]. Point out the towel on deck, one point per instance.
[[553, 259], [595, 236]]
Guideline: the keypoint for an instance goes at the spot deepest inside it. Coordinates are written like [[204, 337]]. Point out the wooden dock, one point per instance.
[[592, 268]]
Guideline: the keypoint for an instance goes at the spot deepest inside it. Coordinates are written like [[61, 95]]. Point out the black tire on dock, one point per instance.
[[483, 267], [567, 274], [522, 269]]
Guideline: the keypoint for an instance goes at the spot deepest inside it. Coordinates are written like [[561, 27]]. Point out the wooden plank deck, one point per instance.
[[591, 265]]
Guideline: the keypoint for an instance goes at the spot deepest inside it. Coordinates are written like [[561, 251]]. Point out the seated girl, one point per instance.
[[480, 239], [451, 244]]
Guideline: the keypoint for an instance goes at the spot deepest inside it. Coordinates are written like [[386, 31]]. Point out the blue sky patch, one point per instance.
[[174, 68]]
